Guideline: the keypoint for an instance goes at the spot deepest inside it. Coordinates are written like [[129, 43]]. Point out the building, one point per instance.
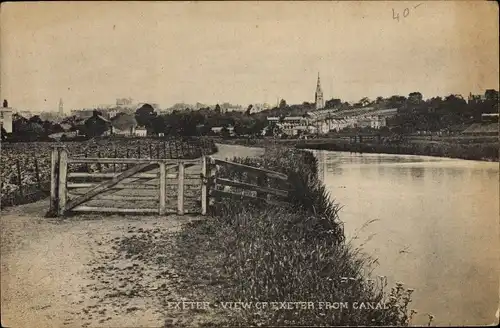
[[218, 130], [140, 131], [6, 118], [124, 102], [327, 120], [318, 96], [291, 125], [97, 125], [489, 95]]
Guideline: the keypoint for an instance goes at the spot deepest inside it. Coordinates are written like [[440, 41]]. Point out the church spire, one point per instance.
[[318, 97], [61, 108]]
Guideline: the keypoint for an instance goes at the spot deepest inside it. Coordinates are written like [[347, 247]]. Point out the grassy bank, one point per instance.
[[259, 253]]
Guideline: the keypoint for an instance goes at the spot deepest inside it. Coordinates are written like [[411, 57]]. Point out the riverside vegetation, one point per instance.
[[259, 253], [470, 148]]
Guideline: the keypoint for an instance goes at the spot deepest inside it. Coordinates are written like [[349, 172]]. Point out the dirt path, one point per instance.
[[60, 274], [75, 272]]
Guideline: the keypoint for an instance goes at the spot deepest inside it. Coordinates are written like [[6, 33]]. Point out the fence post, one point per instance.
[[157, 151], [86, 164], [54, 180], [37, 172], [114, 164], [126, 165], [63, 170], [99, 168], [138, 151], [163, 188], [19, 179], [150, 151], [164, 149], [204, 185], [261, 179], [180, 190]]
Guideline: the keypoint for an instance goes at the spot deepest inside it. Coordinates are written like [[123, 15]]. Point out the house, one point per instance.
[[218, 130], [289, 123], [97, 125], [140, 131]]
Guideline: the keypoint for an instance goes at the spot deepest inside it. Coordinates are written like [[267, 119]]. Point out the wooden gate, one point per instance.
[[118, 183], [124, 182]]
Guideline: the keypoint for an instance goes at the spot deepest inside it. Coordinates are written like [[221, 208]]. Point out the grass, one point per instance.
[[259, 253]]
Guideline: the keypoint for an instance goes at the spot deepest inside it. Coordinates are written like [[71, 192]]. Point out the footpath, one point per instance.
[[79, 272]]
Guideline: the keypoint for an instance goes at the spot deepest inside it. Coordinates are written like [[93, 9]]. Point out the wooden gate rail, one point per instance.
[[213, 181], [61, 188]]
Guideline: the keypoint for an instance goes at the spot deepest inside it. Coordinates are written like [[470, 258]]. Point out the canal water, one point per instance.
[[436, 227]]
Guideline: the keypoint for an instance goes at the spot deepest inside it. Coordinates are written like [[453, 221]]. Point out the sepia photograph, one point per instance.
[[249, 164]]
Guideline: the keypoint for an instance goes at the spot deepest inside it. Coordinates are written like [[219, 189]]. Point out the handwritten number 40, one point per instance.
[[406, 12]]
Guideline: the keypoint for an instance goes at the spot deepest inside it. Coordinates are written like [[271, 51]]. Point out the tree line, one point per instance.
[[413, 114]]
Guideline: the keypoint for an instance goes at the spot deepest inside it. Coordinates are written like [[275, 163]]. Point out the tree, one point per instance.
[[217, 109], [158, 125], [249, 109], [283, 104], [144, 115], [35, 119], [491, 95], [333, 103], [364, 101]]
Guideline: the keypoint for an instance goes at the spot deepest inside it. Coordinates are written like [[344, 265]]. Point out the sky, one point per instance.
[[90, 53]]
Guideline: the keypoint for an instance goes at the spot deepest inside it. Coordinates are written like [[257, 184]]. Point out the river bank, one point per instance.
[[263, 254], [466, 148]]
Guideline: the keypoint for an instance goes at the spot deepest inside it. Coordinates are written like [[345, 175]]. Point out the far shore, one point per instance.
[[485, 152]]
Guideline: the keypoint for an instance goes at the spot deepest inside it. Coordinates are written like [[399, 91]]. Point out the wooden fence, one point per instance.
[[229, 180], [135, 181], [29, 182]]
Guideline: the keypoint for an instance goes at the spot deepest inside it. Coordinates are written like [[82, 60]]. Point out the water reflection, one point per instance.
[[437, 227], [417, 173]]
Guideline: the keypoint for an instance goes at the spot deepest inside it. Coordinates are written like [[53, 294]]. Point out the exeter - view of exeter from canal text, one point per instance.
[[194, 164]]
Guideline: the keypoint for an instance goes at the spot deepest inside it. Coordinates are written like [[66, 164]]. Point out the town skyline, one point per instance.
[[243, 53]]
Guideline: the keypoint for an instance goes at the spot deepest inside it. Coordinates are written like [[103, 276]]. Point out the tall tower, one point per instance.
[[61, 108], [320, 103]]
